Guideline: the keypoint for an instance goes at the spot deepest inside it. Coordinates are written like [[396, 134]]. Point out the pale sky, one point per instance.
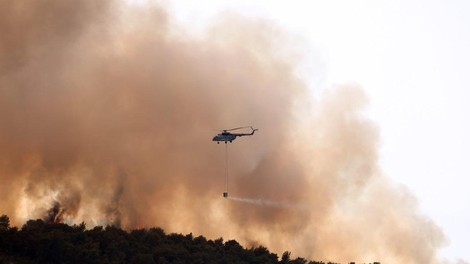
[[412, 59]]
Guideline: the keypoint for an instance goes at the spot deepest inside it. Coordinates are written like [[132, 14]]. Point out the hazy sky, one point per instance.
[[411, 58]]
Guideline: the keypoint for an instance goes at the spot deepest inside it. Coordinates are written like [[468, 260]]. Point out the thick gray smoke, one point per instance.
[[106, 114]]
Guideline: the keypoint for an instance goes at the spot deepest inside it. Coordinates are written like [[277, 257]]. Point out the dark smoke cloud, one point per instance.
[[105, 117]]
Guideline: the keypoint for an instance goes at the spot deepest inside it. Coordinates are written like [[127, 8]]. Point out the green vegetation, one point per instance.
[[40, 242]]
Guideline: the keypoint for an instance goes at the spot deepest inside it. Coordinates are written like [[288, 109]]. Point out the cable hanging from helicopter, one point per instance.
[[226, 136]]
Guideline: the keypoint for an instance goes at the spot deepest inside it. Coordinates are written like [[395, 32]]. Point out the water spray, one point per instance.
[[268, 203]]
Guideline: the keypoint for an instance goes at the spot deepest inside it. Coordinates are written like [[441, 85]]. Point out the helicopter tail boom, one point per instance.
[[247, 134]]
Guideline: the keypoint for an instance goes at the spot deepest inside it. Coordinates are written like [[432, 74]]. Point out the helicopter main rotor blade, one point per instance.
[[236, 128]]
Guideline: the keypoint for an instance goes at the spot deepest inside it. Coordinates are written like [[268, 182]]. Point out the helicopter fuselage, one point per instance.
[[225, 137]]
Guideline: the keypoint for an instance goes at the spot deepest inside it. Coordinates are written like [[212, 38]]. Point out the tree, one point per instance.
[[143, 259], [42, 242], [285, 257], [4, 223]]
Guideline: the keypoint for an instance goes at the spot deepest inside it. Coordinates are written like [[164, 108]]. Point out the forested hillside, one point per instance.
[[41, 242]]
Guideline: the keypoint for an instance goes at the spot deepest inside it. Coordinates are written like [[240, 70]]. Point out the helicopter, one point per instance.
[[226, 136]]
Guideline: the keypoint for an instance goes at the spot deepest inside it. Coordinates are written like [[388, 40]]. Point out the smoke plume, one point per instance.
[[106, 116]]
